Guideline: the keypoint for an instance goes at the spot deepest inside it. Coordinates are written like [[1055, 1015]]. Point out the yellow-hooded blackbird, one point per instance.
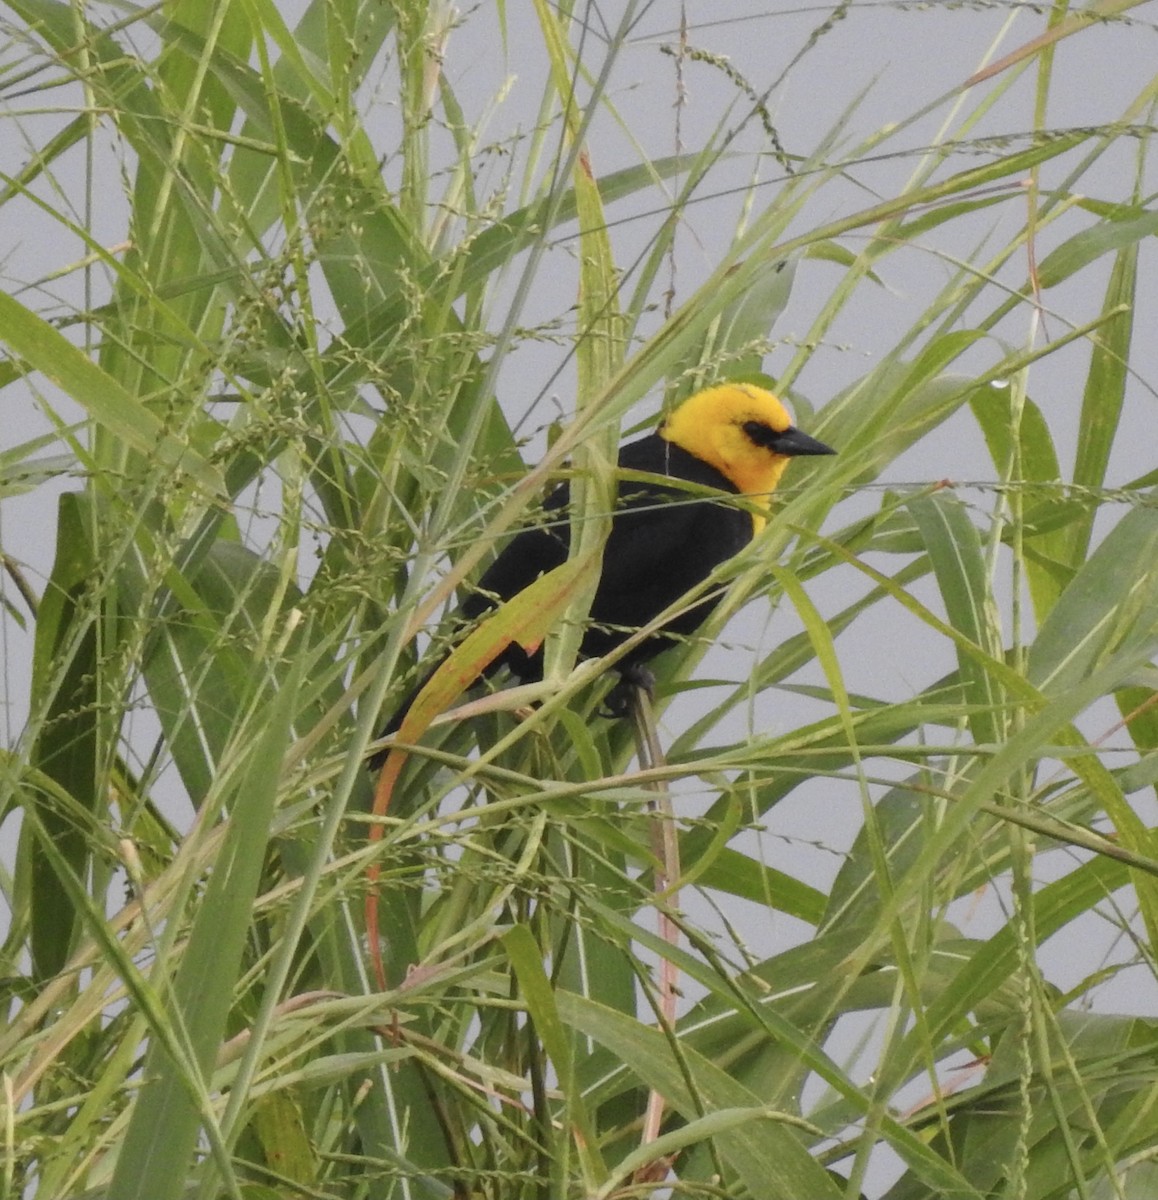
[[735, 438]]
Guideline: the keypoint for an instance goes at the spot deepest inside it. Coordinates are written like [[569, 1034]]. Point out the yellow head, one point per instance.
[[744, 432]]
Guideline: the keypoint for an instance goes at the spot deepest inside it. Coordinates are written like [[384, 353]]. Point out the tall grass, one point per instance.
[[287, 416]]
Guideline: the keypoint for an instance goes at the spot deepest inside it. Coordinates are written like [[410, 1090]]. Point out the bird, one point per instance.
[[735, 439]]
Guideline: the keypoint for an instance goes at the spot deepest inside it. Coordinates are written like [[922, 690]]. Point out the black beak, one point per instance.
[[792, 442]]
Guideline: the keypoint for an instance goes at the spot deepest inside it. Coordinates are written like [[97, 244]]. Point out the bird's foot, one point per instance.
[[617, 703]]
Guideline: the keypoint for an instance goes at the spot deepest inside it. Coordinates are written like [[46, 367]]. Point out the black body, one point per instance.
[[663, 541]]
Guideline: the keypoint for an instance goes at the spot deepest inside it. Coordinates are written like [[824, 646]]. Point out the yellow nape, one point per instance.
[[710, 425]]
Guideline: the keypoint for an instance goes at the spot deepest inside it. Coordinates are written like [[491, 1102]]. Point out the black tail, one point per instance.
[[395, 722]]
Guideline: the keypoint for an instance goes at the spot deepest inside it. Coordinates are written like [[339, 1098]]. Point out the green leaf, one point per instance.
[[954, 548], [1110, 603], [1086, 247], [1105, 390], [66, 685], [169, 1113], [99, 394], [774, 1165], [200, 664], [540, 1000]]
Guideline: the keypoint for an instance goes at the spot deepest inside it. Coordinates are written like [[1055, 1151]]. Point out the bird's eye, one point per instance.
[[761, 434]]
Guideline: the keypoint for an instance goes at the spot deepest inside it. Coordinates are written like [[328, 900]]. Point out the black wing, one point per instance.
[[663, 542], [529, 554]]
